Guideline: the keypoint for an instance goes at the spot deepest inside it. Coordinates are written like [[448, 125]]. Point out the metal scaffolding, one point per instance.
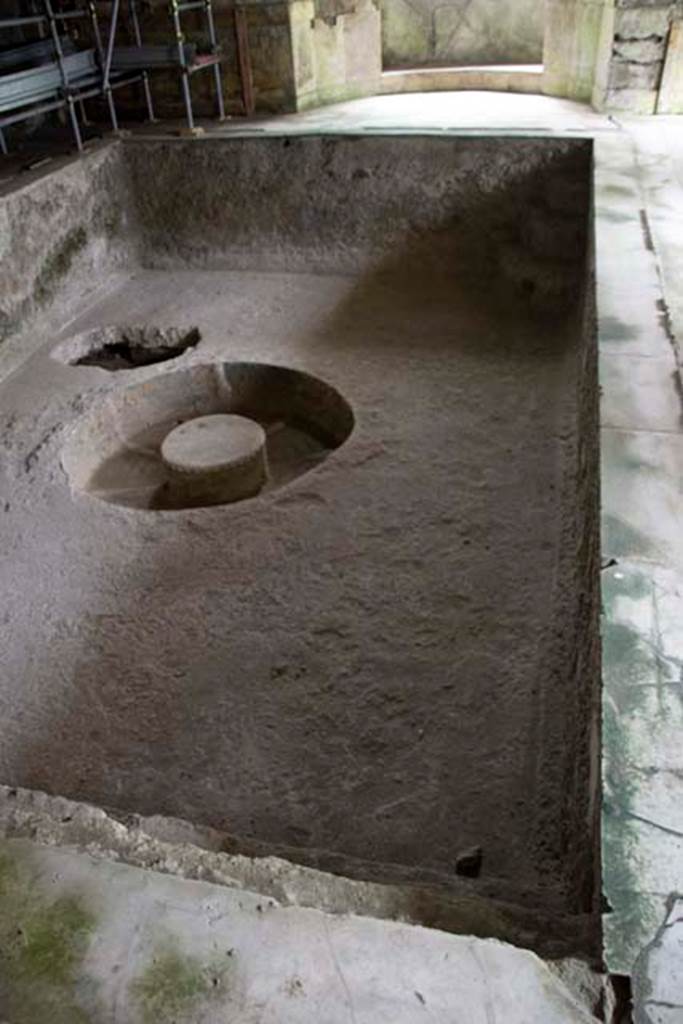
[[50, 73], [177, 54], [54, 74], [213, 59]]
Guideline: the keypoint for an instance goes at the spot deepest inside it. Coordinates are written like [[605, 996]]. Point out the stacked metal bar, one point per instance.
[[48, 73], [53, 74]]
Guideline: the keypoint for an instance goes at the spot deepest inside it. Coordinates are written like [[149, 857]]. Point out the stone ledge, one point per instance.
[[524, 78], [85, 938], [175, 847]]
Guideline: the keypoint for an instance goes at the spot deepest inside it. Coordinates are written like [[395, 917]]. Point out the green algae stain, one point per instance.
[[634, 670], [628, 664], [42, 944], [629, 583], [174, 985], [620, 841], [610, 328], [58, 263], [7, 873], [623, 540], [629, 670], [54, 940], [629, 930]]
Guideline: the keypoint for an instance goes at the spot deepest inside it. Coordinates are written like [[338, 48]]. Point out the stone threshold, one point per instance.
[[525, 78]]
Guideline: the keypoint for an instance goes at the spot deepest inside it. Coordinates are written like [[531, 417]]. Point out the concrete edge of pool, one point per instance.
[[136, 922], [638, 205]]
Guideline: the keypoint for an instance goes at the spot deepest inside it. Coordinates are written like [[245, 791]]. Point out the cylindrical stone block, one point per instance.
[[215, 459]]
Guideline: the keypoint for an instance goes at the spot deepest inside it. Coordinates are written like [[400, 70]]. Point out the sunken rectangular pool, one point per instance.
[[301, 501]]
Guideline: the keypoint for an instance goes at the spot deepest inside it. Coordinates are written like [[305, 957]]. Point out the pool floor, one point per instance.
[[370, 664]]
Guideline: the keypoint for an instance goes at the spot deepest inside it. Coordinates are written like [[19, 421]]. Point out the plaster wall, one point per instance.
[[429, 32], [571, 47], [336, 51]]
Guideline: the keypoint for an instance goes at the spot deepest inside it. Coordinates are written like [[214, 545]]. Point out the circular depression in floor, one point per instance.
[[145, 447]]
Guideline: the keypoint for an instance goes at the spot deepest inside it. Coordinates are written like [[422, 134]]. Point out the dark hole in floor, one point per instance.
[[126, 348], [622, 989]]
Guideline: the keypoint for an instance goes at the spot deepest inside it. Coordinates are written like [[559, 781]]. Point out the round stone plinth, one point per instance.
[[216, 459]]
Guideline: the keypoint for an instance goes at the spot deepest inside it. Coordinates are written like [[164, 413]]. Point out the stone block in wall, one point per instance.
[[631, 60], [636, 62], [611, 51], [642, 22], [631, 100], [643, 4], [639, 51], [634, 101], [625, 75]]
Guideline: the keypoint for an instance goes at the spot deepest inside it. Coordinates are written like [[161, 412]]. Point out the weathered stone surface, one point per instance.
[[632, 76], [639, 51], [630, 60], [572, 39], [658, 974], [337, 56], [645, 5], [464, 32], [87, 939], [62, 236], [405, 34], [271, 57], [632, 324], [633, 99], [179, 848], [642, 22], [670, 99]]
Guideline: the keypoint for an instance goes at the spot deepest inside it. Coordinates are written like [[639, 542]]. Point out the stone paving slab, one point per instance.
[[94, 941]]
